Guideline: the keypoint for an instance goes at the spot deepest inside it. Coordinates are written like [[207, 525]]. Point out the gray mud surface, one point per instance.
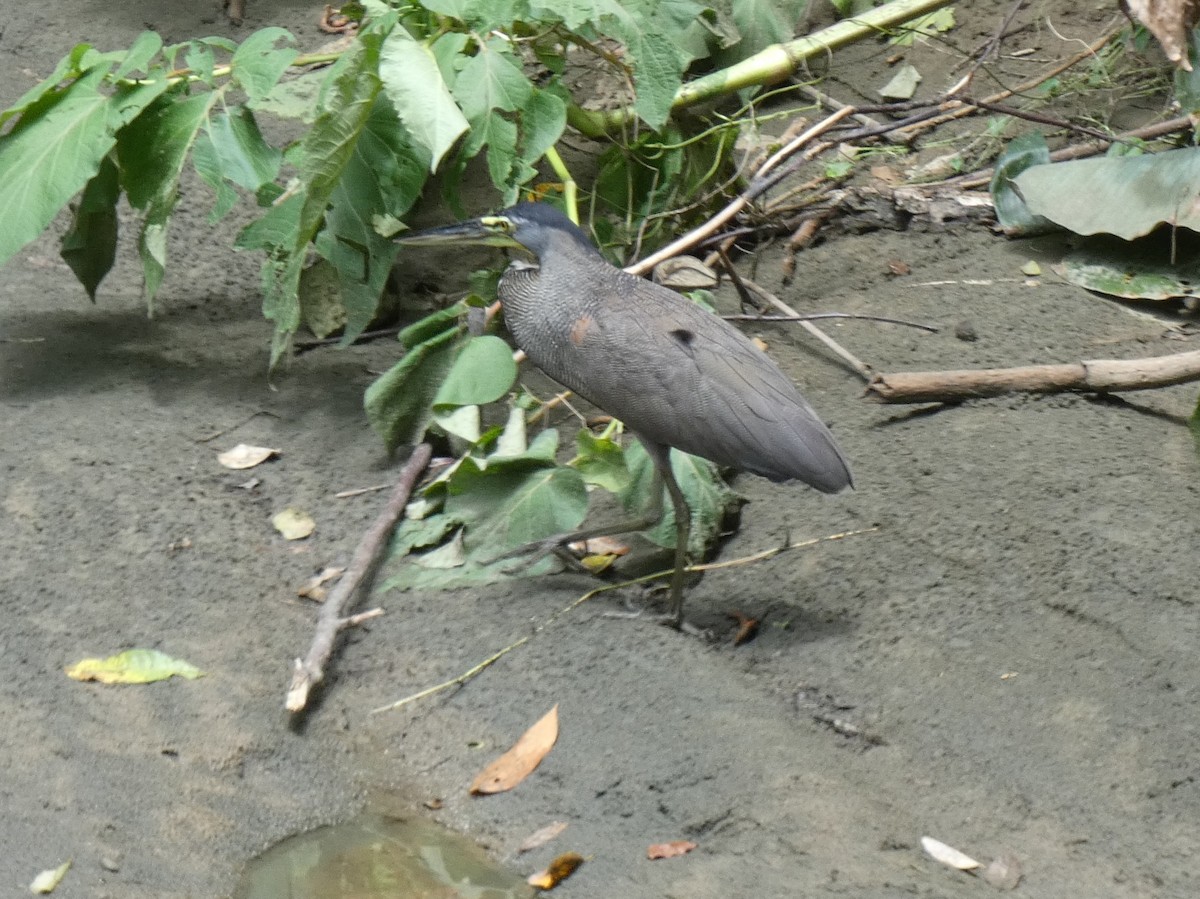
[[1010, 655]]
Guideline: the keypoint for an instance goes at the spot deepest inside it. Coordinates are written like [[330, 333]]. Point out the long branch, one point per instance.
[[1095, 375], [308, 673]]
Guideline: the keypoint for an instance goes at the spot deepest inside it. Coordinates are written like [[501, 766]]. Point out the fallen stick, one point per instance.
[[1096, 375], [310, 671]]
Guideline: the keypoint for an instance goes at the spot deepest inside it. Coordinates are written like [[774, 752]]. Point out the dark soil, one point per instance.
[[1007, 662]]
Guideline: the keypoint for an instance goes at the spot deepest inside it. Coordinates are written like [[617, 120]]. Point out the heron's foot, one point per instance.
[[673, 620], [529, 554]]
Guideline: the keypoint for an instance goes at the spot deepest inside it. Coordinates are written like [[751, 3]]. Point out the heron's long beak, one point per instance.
[[475, 231]]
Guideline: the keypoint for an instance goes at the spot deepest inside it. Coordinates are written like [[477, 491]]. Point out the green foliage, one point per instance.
[[1023, 153]]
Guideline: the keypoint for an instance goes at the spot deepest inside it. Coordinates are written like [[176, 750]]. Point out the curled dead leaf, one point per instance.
[[542, 836], [557, 871], [314, 587], [294, 524], [672, 849], [245, 456], [518, 763]]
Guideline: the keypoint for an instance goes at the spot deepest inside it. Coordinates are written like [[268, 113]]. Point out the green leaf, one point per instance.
[[151, 152], [134, 666], [903, 83], [90, 247], [257, 64], [709, 498], [399, 404], [760, 24], [239, 150], [483, 372], [145, 47], [1133, 270], [434, 323], [1020, 154], [513, 502], [45, 163], [46, 92], [383, 176], [345, 105], [601, 462], [414, 83], [294, 98], [1128, 196], [931, 23]]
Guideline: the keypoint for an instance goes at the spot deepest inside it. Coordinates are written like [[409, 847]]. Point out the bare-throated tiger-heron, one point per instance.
[[675, 374]]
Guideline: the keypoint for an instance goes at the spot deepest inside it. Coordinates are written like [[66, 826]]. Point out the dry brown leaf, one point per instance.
[[557, 871], [434, 804], [542, 837], [518, 763], [246, 456], [948, 855], [314, 587], [747, 627], [1170, 21], [672, 849]]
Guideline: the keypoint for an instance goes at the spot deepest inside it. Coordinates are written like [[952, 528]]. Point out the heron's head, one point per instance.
[[534, 227]]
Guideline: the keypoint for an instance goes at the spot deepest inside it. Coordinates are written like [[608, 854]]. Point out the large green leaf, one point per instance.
[[258, 64], [90, 247], [1128, 196], [1019, 155], [383, 176], [414, 83], [483, 372], [601, 461], [709, 498], [399, 404], [48, 160]]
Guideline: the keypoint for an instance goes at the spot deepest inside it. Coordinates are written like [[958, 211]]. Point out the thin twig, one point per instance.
[[841, 352], [576, 603], [739, 203], [310, 671], [817, 316]]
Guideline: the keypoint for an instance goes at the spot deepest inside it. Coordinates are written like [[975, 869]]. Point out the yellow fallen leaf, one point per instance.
[[49, 879], [294, 524], [526, 754], [134, 666], [1031, 269], [557, 871], [246, 456]]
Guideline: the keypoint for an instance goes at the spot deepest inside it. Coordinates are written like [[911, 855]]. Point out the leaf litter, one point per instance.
[[519, 762]]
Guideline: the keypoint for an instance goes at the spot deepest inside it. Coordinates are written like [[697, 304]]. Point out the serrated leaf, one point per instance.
[[513, 502], [413, 82], [151, 152], [483, 371], [491, 79], [293, 98], [601, 462], [47, 161], [258, 63], [241, 154], [145, 47], [90, 247], [134, 666], [709, 498], [383, 175], [399, 404], [48, 91]]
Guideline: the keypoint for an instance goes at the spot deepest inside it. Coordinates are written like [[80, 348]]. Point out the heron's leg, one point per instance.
[[661, 456]]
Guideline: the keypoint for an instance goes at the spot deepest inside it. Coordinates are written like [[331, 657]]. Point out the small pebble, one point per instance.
[[964, 330]]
